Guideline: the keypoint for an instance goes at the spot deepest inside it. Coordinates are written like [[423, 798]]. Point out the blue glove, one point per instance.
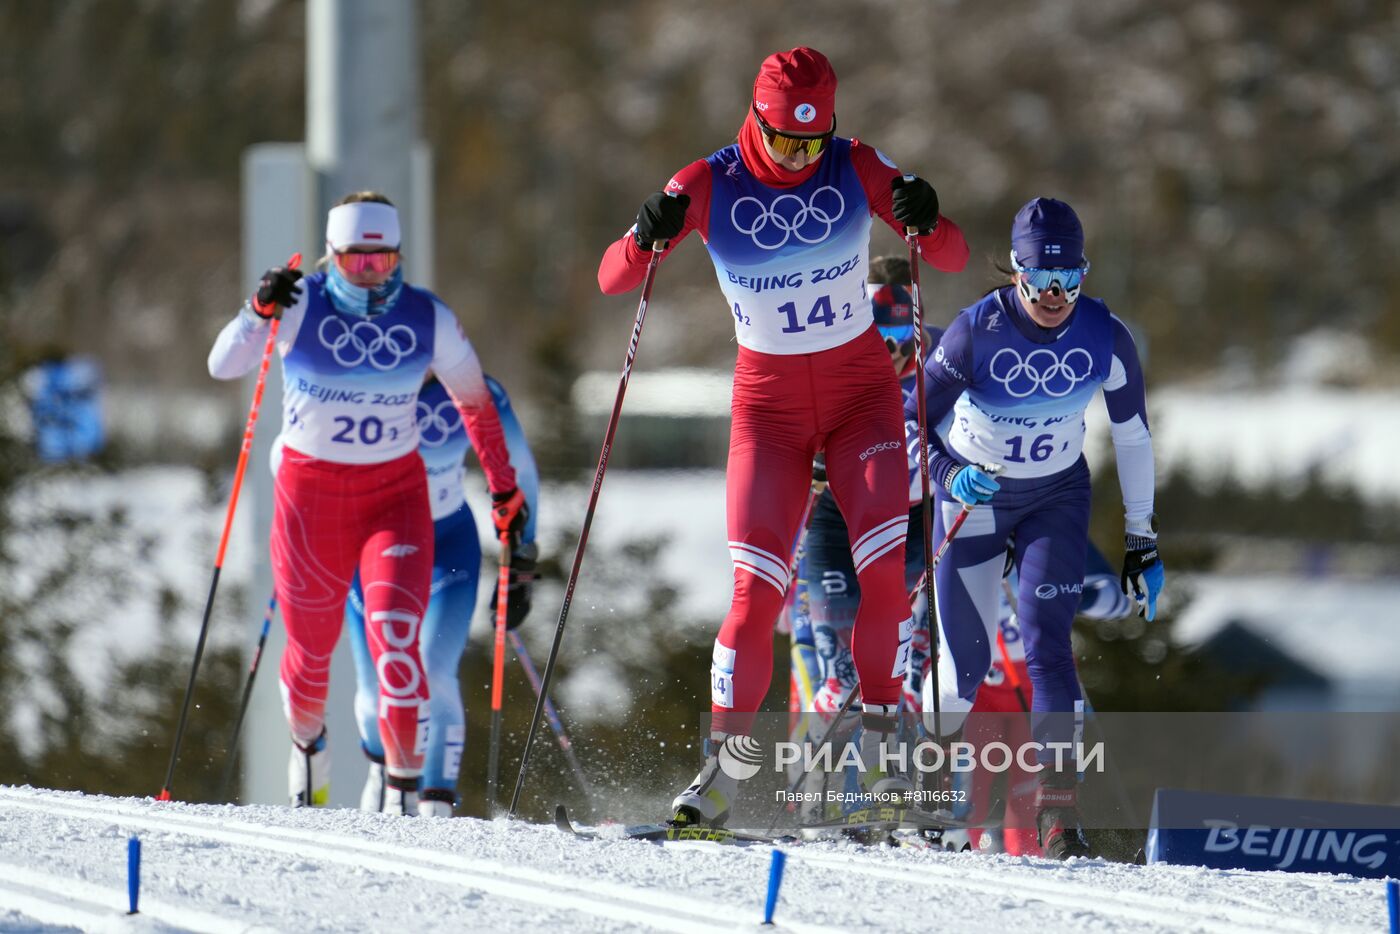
[[972, 486], [1143, 569]]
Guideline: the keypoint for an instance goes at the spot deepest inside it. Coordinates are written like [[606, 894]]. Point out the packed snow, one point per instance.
[[64, 866]]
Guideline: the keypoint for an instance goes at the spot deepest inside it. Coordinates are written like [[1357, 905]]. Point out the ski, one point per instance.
[[868, 825], [672, 833], [891, 818]]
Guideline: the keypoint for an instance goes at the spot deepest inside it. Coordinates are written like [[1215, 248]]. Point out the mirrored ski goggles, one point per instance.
[[1035, 279], [899, 339], [785, 144], [360, 263]]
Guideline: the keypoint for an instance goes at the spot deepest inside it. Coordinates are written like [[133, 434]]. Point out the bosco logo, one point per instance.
[[772, 226]]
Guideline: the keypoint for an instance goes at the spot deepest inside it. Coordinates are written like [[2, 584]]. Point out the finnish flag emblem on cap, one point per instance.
[[805, 113]]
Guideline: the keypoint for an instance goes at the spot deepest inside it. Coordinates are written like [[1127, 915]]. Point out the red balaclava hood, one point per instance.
[[796, 92]]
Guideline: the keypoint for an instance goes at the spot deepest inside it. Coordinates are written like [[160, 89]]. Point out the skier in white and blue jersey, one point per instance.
[[356, 342], [1008, 384], [443, 443]]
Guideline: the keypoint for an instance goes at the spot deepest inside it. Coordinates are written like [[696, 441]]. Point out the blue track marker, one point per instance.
[[133, 872], [775, 881], [1392, 895]]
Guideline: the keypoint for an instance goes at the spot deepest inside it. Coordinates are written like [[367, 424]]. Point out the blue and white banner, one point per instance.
[[1294, 835]]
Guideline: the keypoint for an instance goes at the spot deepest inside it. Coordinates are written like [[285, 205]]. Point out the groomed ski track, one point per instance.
[[225, 869]]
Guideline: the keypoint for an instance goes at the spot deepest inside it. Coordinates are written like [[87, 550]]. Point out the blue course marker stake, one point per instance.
[[133, 872], [1392, 895], [775, 880]]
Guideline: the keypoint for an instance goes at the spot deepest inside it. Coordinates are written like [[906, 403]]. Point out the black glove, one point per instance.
[[277, 290], [819, 467], [509, 513], [661, 218], [915, 203], [522, 585]]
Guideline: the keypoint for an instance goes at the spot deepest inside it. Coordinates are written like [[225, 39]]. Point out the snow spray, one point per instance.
[[133, 872], [775, 880]]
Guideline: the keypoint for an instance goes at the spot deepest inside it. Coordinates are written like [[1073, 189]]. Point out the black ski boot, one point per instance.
[[1057, 821]]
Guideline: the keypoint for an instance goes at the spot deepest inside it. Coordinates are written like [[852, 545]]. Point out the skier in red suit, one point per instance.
[[786, 214]]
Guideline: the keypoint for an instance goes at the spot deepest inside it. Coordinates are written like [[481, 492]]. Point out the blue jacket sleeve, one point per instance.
[[947, 373], [527, 475]]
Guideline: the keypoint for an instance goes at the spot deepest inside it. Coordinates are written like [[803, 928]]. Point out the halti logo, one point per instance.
[[1051, 591], [805, 113]]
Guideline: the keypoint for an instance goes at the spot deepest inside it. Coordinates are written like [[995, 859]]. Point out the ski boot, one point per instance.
[[372, 797], [709, 799], [879, 734], [1057, 821], [401, 795], [309, 773], [436, 802]]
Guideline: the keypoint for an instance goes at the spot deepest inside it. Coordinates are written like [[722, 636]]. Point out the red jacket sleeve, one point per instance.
[[625, 263], [944, 249]]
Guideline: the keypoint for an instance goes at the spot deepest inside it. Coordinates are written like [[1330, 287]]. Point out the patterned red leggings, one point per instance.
[[327, 518]]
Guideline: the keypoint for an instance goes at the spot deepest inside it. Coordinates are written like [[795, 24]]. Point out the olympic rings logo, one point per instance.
[[363, 341], [788, 216], [437, 423], [1041, 371]]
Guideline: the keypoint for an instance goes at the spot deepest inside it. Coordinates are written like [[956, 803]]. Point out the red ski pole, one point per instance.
[[498, 673], [1013, 674], [164, 795]]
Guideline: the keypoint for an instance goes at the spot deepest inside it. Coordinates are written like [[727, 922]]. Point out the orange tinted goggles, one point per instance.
[[358, 263], [787, 145]]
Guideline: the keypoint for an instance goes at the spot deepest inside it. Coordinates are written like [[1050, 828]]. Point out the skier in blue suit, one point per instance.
[[1008, 385]]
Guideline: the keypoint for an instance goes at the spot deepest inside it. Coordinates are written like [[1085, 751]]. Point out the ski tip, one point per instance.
[[561, 818]]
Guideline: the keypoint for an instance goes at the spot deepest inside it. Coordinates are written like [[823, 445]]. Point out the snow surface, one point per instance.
[[205, 868]]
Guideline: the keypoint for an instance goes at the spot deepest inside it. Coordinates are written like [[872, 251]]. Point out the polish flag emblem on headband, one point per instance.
[[362, 223]]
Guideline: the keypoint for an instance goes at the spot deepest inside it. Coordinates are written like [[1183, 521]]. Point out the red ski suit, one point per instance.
[[791, 253]]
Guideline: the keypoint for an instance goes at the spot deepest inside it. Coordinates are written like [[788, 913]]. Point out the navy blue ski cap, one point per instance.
[[1046, 234], [893, 307]]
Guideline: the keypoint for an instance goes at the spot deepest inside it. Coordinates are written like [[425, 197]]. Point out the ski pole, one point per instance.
[[498, 672], [164, 795], [247, 694], [821, 743], [800, 680], [948, 536], [552, 715], [657, 248], [911, 236], [1013, 674]]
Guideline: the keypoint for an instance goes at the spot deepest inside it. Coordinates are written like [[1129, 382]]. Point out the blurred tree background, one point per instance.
[[1235, 165]]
